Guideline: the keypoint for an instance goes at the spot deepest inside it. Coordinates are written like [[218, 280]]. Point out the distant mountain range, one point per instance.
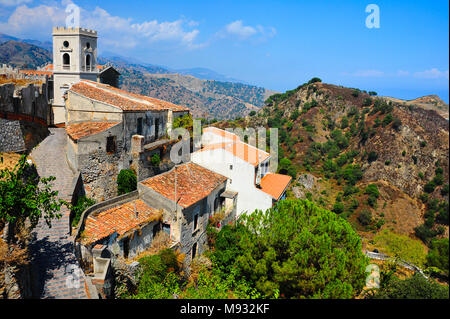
[[207, 93], [23, 55], [45, 45]]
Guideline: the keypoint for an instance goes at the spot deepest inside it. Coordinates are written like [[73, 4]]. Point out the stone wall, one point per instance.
[[28, 102], [11, 138]]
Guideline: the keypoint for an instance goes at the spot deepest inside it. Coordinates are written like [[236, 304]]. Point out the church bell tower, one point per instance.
[[74, 59]]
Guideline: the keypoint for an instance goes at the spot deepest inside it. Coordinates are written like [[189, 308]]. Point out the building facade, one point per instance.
[[74, 59], [245, 166], [101, 121]]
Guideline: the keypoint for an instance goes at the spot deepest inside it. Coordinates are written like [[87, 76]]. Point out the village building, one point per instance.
[[178, 202], [245, 166], [100, 123]]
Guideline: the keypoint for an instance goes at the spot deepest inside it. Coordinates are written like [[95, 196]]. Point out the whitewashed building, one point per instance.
[[246, 167]]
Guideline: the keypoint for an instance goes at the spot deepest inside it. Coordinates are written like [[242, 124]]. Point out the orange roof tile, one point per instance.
[[193, 183], [79, 130], [36, 72], [127, 101], [119, 219], [248, 153], [275, 184], [220, 132], [244, 151]]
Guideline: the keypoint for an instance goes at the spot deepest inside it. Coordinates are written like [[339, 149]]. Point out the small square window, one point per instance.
[[231, 167]]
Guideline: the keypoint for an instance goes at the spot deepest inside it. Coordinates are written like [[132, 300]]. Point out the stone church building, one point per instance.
[[101, 119]]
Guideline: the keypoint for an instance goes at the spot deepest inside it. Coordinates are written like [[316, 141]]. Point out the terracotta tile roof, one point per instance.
[[127, 101], [35, 72], [48, 67], [247, 152], [121, 219], [79, 130], [222, 133], [193, 183], [275, 184], [240, 150]]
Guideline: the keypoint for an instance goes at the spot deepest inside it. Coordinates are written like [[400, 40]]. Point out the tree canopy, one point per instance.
[[296, 250], [23, 194]]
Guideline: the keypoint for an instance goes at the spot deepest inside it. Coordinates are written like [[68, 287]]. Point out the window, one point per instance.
[[231, 167], [111, 144], [156, 229], [139, 126], [194, 250], [126, 247], [88, 61], [195, 222], [66, 60], [216, 204], [88, 45], [66, 44]]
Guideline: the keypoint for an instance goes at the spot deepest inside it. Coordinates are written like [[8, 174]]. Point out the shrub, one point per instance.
[[372, 156], [314, 80], [387, 120], [126, 181], [423, 144], [415, 287], [344, 122], [338, 208], [295, 114], [367, 102], [373, 93], [355, 93], [397, 124], [438, 180], [444, 190], [155, 160], [372, 190], [414, 158], [429, 187], [83, 203], [252, 113], [365, 217], [438, 255]]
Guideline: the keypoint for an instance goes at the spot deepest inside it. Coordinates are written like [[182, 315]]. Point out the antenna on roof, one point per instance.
[[135, 210]]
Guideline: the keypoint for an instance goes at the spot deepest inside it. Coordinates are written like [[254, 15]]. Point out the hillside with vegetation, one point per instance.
[[381, 165], [23, 55]]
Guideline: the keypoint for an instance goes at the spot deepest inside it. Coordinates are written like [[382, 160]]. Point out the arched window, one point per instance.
[[66, 60], [88, 62]]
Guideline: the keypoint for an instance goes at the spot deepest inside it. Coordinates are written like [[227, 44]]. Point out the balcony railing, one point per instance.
[[66, 67]]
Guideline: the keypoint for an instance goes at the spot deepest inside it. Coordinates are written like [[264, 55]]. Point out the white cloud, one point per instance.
[[13, 3], [239, 31], [433, 73], [402, 73], [368, 73], [114, 31]]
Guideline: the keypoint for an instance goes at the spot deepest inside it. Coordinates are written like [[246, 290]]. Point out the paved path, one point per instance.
[[56, 272]]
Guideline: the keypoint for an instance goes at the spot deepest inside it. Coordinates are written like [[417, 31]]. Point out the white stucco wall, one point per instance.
[[241, 178]]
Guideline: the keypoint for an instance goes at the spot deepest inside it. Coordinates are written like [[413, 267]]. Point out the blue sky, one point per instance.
[[274, 44]]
